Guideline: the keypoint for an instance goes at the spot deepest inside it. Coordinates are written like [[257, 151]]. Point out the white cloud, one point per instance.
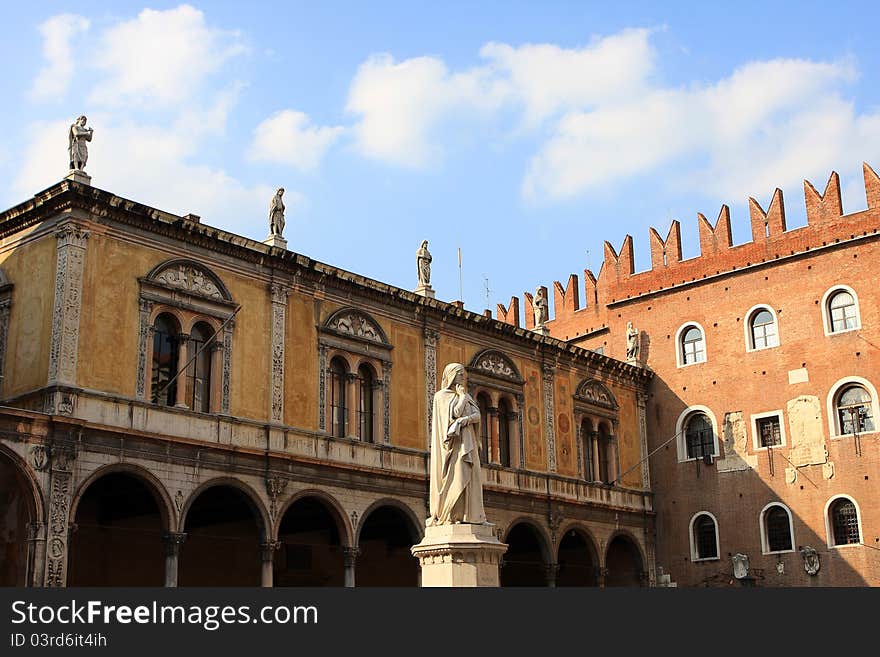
[[287, 138], [402, 103], [548, 79], [55, 76], [160, 58], [769, 123]]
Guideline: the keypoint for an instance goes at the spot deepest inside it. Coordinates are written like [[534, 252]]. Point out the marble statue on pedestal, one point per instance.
[[632, 342], [77, 136], [456, 494]]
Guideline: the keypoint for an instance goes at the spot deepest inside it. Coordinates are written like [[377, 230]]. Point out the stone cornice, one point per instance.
[[104, 206]]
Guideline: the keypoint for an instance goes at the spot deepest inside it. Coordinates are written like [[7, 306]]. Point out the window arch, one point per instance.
[[184, 300], [697, 434], [354, 398], [762, 328], [703, 537], [843, 522], [366, 385], [777, 532], [166, 350], [840, 310], [690, 344], [494, 378], [852, 407], [338, 375]]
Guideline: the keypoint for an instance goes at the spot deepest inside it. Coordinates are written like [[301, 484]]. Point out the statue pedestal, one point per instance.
[[425, 291], [541, 330], [276, 240], [459, 555], [77, 175]]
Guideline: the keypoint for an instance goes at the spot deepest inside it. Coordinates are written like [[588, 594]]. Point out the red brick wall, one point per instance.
[[789, 271]]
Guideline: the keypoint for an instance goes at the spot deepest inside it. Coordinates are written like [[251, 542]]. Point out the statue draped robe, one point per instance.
[[456, 478]]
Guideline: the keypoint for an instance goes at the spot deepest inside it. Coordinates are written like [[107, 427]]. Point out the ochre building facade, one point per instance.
[[185, 406], [763, 407]]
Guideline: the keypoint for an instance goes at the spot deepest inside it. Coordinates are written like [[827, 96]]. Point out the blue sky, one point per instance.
[[524, 133]]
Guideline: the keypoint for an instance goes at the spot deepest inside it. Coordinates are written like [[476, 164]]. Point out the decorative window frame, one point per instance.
[[831, 405], [756, 435], [5, 308], [747, 327], [829, 530], [594, 402], [679, 351], [692, 539], [355, 336], [826, 310], [192, 293], [762, 524], [494, 373], [680, 440]]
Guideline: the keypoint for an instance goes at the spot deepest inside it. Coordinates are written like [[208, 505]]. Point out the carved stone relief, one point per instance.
[[356, 324], [227, 368], [596, 393], [279, 314], [144, 334], [549, 414], [59, 513], [191, 279], [4, 333], [430, 380], [66, 308], [496, 364], [643, 440]]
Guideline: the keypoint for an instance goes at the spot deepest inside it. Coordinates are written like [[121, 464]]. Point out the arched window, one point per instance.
[[504, 416], [200, 370], [365, 403], [843, 518], [166, 345], [692, 345], [762, 329], [699, 436], [603, 439], [843, 314], [704, 537], [777, 529], [483, 403], [338, 409], [853, 409]]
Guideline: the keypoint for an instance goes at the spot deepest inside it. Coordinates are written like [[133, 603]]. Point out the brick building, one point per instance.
[[763, 408], [182, 405]]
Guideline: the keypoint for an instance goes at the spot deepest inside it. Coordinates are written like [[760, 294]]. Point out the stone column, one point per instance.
[[216, 389], [267, 555], [613, 459], [430, 380], [61, 490], [276, 374], [386, 402], [549, 415], [183, 381], [594, 439], [71, 252], [173, 541], [351, 400], [37, 554], [551, 570], [322, 388], [349, 556], [642, 399], [494, 455], [226, 374], [145, 338], [601, 575], [4, 330]]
